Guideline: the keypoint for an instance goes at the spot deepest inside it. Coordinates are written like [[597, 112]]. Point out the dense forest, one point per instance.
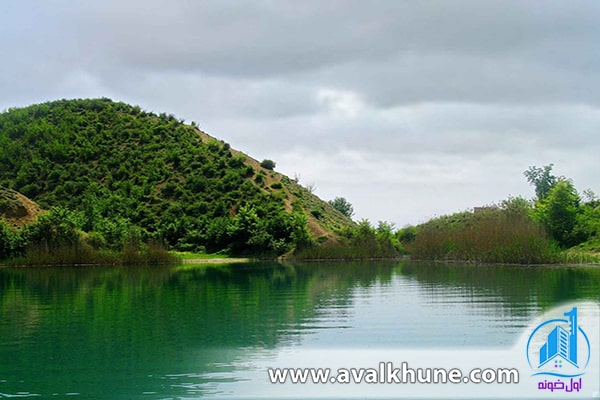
[[113, 174]]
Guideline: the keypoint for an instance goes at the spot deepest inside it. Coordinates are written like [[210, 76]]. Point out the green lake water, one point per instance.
[[193, 331]]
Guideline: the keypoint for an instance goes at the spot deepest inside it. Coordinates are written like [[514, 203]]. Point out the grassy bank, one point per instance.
[[188, 255]]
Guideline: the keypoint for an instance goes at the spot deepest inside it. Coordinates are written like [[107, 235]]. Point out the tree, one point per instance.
[[407, 234], [542, 179], [516, 206], [268, 164], [559, 211], [343, 206]]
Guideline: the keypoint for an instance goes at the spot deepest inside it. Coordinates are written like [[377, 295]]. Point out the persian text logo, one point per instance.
[[559, 347]]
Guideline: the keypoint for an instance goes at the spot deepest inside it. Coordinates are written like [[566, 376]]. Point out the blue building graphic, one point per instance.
[[562, 343]]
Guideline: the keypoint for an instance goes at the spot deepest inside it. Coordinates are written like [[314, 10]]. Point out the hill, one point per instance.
[[127, 172]]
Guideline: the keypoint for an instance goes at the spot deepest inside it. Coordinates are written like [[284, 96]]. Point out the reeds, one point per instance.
[[80, 253], [492, 236]]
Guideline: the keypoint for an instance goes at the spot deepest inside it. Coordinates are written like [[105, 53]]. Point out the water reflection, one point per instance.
[[117, 332]]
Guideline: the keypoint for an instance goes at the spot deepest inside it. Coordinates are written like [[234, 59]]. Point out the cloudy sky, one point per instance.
[[408, 109]]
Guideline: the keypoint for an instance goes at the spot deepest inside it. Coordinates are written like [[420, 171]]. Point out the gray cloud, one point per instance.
[[269, 37], [406, 108], [440, 128], [393, 52]]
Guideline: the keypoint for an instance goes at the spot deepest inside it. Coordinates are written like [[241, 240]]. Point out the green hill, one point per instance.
[[120, 169]]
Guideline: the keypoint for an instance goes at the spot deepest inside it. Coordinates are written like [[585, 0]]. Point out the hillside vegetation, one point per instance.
[[118, 173]]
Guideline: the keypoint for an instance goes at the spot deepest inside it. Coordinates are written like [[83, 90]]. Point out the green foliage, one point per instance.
[[10, 240], [343, 206], [588, 222], [362, 241], [55, 229], [250, 232], [568, 219], [268, 164], [516, 206], [260, 178], [559, 212], [308, 203], [406, 234], [55, 239], [542, 179], [123, 172]]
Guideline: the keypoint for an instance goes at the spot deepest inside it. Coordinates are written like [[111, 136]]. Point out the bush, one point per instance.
[[9, 241], [342, 205], [260, 179], [268, 164]]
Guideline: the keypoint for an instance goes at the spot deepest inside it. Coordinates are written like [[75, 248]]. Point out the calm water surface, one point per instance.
[[193, 331]]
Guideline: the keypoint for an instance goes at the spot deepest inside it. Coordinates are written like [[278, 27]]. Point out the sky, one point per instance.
[[408, 109]]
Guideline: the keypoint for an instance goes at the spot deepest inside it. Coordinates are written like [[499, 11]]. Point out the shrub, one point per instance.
[[260, 179], [268, 164], [342, 205]]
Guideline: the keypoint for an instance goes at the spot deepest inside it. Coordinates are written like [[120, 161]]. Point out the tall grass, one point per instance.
[[492, 236], [67, 254], [149, 254], [80, 253]]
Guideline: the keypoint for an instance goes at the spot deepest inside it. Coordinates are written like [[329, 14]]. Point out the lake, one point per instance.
[[194, 331]]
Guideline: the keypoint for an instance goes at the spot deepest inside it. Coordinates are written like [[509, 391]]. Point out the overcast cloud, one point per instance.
[[409, 109]]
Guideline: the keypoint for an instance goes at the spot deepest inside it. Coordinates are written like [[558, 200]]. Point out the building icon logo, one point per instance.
[[559, 347]]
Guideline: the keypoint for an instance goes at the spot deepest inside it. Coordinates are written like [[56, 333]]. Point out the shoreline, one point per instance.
[[241, 260], [217, 260]]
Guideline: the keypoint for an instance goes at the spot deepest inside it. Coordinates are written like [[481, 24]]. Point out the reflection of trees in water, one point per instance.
[[79, 324], [518, 286], [227, 306], [249, 305]]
